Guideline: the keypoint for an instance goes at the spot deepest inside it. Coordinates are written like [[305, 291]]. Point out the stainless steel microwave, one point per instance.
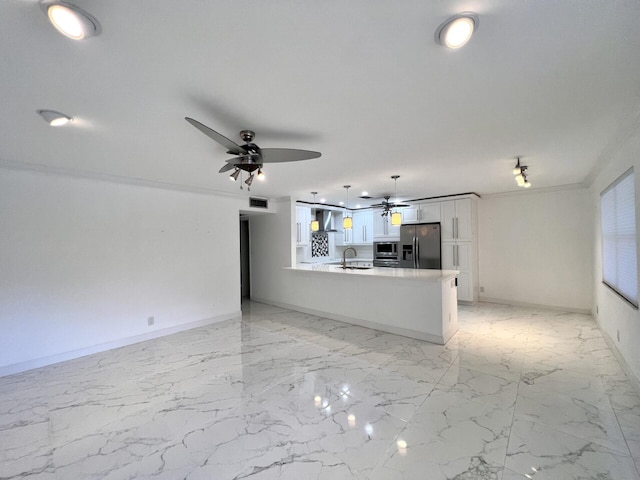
[[385, 250]]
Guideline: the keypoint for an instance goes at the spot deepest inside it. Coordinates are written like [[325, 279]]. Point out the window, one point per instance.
[[618, 219]]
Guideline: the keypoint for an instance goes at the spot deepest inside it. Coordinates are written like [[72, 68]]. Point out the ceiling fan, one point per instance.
[[250, 157], [388, 206]]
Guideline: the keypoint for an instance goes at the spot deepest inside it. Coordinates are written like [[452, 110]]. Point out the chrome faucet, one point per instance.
[[344, 256]]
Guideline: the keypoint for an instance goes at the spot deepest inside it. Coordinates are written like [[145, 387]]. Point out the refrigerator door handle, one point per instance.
[[415, 252]]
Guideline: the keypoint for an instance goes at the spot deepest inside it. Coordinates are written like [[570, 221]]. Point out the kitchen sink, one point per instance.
[[354, 267]]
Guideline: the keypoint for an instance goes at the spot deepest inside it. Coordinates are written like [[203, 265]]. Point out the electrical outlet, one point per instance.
[[618, 335], [481, 289], [151, 321]]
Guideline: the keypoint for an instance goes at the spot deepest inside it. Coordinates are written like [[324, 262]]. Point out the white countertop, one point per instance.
[[383, 272], [326, 260]]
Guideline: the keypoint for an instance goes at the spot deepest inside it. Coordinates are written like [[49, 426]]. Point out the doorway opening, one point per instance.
[[245, 265]]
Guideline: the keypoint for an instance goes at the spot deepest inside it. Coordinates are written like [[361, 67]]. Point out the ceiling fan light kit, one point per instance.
[[456, 31], [70, 20], [391, 209], [250, 157]]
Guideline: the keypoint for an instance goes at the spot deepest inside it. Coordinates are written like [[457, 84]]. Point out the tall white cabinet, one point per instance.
[[459, 220]]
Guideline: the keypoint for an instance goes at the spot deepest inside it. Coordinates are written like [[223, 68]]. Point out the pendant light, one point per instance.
[[396, 216], [347, 221], [315, 225]]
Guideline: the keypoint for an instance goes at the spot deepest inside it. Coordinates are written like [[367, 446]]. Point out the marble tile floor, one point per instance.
[[518, 393]]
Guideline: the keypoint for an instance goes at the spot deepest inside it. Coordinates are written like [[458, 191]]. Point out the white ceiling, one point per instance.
[[362, 81]]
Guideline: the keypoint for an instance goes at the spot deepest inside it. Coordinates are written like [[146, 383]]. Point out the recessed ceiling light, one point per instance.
[[365, 193], [55, 119], [70, 20], [457, 30], [323, 200]]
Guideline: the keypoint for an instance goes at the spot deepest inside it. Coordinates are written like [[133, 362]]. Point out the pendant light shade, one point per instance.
[[347, 222], [315, 225], [396, 216]]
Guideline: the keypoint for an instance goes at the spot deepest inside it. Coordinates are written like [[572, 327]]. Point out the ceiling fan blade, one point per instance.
[[271, 155], [227, 167], [230, 145]]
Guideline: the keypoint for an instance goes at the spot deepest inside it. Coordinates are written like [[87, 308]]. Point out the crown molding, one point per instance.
[[117, 179]]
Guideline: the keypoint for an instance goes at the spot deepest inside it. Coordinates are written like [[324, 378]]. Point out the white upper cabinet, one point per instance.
[[303, 226], [362, 231], [430, 212], [457, 220], [421, 213], [382, 228]]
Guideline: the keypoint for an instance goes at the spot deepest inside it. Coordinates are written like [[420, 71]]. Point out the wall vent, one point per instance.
[[258, 202]]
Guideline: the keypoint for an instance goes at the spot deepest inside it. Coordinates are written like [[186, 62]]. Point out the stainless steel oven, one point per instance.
[[385, 254]]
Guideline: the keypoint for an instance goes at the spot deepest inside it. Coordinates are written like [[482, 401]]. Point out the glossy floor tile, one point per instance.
[[517, 393]]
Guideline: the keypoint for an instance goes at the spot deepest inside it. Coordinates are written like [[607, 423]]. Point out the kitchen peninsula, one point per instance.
[[414, 303]]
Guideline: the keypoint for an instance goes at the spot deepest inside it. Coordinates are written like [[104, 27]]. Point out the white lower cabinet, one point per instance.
[[460, 256]]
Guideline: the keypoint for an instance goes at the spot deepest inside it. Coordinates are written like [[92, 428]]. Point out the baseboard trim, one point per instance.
[[404, 332], [123, 342], [635, 381], [502, 301]]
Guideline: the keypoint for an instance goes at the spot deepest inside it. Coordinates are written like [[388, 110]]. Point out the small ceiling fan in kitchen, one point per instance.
[[250, 157], [386, 205]]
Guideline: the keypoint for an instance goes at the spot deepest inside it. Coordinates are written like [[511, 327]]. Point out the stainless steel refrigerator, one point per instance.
[[420, 246]]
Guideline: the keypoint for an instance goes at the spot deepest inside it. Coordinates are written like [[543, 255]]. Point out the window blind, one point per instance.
[[618, 220]]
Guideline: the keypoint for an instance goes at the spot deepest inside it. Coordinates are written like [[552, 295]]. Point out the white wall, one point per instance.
[[535, 248], [83, 264], [613, 313], [273, 241]]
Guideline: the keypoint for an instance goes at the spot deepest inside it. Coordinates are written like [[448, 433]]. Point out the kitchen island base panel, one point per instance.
[[403, 332], [416, 304]]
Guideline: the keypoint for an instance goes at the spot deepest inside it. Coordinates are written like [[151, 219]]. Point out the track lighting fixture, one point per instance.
[[520, 172]]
